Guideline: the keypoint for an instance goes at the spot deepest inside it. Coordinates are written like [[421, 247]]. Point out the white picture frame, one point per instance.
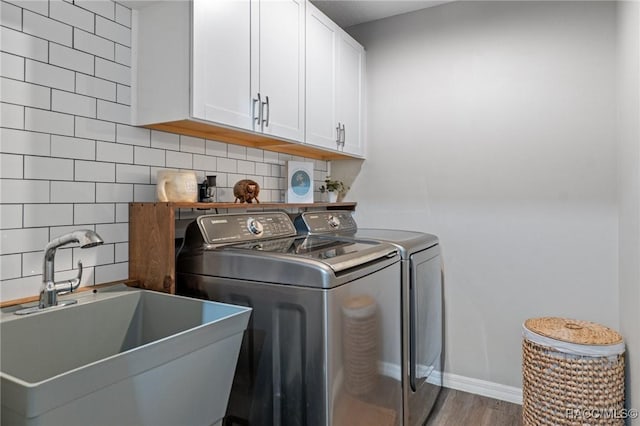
[[299, 182]]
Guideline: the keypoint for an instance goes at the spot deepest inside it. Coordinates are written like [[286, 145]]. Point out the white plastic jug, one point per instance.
[[177, 186]]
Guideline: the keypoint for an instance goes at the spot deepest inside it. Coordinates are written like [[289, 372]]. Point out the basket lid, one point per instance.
[[574, 331]]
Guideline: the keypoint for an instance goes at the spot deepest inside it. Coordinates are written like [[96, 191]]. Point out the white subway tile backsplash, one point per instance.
[[72, 192], [12, 66], [123, 55], [95, 129], [104, 8], [113, 232], [114, 192], [11, 166], [271, 157], [38, 6], [47, 215], [48, 168], [24, 191], [246, 167], [24, 44], [123, 15], [227, 165], [124, 94], [27, 94], [133, 135], [113, 31], [263, 169], [32, 262], [88, 276], [21, 240], [43, 27], [93, 44], [96, 87], [126, 173], [114, 112], [117, 153], [94, 171], [69, 14], [113, 272], [204, 162], [11, 16], [66, 57], [255, 154], [236, 151], [218, 149], [164, 140], [20, 287], [10, 265], [71, 103], [94, 213], [40, 120], [179, 160], [23, 142], [49, 75], [12, 116], [100, 255], [320, 165], [191, 144], [122, 212], [10, 216], [271, 183], [113, 72], [122, 252], [149, 156], [68, 147], [144, 193]]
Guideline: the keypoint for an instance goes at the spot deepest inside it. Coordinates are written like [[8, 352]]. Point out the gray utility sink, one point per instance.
[[120, 357]]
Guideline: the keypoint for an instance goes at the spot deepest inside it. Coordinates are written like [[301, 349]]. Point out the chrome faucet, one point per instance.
[[50, 289]]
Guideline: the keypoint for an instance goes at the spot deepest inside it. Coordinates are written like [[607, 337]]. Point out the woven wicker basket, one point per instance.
[[573, 373]]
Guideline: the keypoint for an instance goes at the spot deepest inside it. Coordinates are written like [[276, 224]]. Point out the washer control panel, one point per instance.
[[239, 227], [330, 221]]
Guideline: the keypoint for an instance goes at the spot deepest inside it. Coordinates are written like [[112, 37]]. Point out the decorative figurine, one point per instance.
[[246, 190]]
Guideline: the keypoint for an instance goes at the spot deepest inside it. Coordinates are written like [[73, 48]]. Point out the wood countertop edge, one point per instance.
[[8, 303]]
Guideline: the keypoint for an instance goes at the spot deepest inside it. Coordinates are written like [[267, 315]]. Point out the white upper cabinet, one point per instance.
[[222, 89], [350, 94], [335, 86], [281, 54], [322, 124]]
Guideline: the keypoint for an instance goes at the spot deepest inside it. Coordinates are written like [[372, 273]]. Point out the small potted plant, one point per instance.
[[335, 188]]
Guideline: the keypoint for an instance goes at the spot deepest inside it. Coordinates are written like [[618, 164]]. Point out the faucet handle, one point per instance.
[[68, 286]]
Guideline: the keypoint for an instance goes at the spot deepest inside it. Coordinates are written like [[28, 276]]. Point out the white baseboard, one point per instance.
[[483, 387]]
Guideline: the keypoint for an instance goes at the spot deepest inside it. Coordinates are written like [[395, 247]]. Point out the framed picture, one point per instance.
[[299, 182]]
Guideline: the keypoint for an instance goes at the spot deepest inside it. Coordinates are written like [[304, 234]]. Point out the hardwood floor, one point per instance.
[[457, 408]]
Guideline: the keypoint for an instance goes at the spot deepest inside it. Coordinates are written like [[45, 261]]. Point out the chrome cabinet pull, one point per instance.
[[253, 112], [338, 136], [344, 135], [265, 121]]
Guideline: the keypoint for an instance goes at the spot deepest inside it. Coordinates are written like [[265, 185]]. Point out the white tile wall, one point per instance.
[[70, 159]]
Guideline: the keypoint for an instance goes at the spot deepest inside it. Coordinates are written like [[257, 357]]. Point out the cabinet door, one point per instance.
[[350, 90], [221, 72], [281, 54], [321, 55]]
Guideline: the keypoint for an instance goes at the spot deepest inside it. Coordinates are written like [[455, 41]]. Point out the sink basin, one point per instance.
[[120, 357]]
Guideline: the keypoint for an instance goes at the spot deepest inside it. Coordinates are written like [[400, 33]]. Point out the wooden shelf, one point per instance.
[[152, 236]]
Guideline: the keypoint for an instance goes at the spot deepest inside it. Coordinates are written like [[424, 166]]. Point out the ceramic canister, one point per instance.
[[177, 186]]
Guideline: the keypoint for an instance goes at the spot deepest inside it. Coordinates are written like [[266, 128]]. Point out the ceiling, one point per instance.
[[346, 13]]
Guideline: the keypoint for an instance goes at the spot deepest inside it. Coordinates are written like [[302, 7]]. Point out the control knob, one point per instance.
[[254, 226], [333, 221]]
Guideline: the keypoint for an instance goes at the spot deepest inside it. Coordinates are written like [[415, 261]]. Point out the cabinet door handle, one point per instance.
[[265, 121], [344, 135], [338, 136], [253, 112]]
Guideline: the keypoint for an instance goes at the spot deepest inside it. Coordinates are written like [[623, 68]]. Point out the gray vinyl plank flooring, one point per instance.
[[457, 408]]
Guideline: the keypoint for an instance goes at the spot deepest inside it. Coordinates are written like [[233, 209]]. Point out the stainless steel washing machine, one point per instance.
[[323, 345], [422, 298]]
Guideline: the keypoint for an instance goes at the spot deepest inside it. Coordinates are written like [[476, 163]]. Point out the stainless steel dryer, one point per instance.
[[422, 313], [324, 341]]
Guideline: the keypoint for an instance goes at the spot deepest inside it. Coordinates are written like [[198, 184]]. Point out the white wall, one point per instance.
[[629, 190], [69, 158], [492, 125]]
